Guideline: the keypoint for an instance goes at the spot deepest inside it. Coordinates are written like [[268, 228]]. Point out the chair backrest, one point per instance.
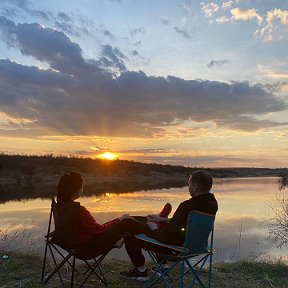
[[66, 221], [198, 228]]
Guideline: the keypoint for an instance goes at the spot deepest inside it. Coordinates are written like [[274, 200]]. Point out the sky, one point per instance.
[[194, 83]]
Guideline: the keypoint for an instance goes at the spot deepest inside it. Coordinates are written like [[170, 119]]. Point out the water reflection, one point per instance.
[[240, 230]]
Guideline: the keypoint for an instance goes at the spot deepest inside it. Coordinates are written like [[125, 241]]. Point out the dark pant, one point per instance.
[[134, 249], [105, 241]]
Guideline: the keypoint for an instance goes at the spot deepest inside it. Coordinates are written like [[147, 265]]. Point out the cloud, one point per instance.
[[183, 32], [71, 23], [108, 33], [227, 5], [278, 14], [17, 7], [165, 21], [146, 151], [268, 29], [245, 15], [136, 31], [112, 57], [218, 63], [277, 87], [78, 96], [62, 16], [209, 9], [270, 72], [222, 19], [271, 24], [197, 161], [135, 53], [45, 44]]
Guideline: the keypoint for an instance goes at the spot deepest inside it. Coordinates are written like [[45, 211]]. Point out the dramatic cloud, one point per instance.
[[78, 96], [44, 44], [217, 63], [112, 57]]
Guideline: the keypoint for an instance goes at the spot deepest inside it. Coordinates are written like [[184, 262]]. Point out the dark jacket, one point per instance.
[[174, 233]]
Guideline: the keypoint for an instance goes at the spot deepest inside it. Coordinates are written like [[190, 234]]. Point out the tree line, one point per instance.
[[28, 165]]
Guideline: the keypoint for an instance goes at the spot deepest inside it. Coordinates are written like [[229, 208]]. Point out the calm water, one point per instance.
[[240, 231]]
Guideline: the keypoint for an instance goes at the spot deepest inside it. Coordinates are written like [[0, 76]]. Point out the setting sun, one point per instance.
[[108, 156]]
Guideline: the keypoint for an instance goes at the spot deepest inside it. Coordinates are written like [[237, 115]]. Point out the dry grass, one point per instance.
[[25, 271]]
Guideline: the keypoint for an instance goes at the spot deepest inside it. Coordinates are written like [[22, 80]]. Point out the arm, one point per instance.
[[88, 223], [157, 218], [178, 221]]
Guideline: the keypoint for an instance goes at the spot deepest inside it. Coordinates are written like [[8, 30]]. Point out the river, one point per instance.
[[240, 229]]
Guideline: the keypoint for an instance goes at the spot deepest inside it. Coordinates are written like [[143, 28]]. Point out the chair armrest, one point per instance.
[[145, 238]]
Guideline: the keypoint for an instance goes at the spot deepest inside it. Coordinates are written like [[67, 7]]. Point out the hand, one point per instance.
[[154, 218], [124, 216], [152, 225]]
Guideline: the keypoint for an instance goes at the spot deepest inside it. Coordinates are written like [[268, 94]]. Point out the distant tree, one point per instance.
[[278, 224]]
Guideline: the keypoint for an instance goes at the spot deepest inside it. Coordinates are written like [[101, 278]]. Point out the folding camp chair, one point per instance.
[[198, 228], [62, 242]]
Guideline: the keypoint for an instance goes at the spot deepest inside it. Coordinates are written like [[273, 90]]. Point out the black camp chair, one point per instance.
[[62, 242]]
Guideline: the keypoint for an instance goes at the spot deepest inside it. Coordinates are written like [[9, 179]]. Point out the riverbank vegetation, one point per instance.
[[29, 177], [278, 224], [25, 271], [29, 165]]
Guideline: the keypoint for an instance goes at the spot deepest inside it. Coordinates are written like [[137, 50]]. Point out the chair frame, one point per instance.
[[182, 258], [69, 258]]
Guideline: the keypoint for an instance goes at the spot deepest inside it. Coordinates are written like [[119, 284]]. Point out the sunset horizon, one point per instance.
[[195, 83]]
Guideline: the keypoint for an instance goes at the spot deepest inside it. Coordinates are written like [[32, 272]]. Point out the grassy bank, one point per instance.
[[25, 271]]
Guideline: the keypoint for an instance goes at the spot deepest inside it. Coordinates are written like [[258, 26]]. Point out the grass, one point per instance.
[[25, 271]]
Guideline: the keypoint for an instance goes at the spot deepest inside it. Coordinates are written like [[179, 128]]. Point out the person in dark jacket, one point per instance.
[[200, 184]]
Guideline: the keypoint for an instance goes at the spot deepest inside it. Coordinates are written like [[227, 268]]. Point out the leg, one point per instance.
[[105, 241], [134, 250]]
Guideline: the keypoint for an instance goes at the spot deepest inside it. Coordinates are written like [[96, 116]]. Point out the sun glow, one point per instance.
[[108, 156]]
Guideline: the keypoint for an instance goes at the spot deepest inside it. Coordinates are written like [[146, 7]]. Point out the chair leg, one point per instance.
[[44, 263], [182, 274], [92, 270], [162, 276], [57, 267], [210, 271], [73, 270], [196, 277]]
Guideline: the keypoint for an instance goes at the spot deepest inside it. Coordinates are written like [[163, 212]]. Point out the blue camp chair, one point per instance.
[[199, 227]]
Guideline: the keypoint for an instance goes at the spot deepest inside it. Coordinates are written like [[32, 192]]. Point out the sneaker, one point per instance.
[[166, 210], [164, 213], [119, 243], [135, 274]]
